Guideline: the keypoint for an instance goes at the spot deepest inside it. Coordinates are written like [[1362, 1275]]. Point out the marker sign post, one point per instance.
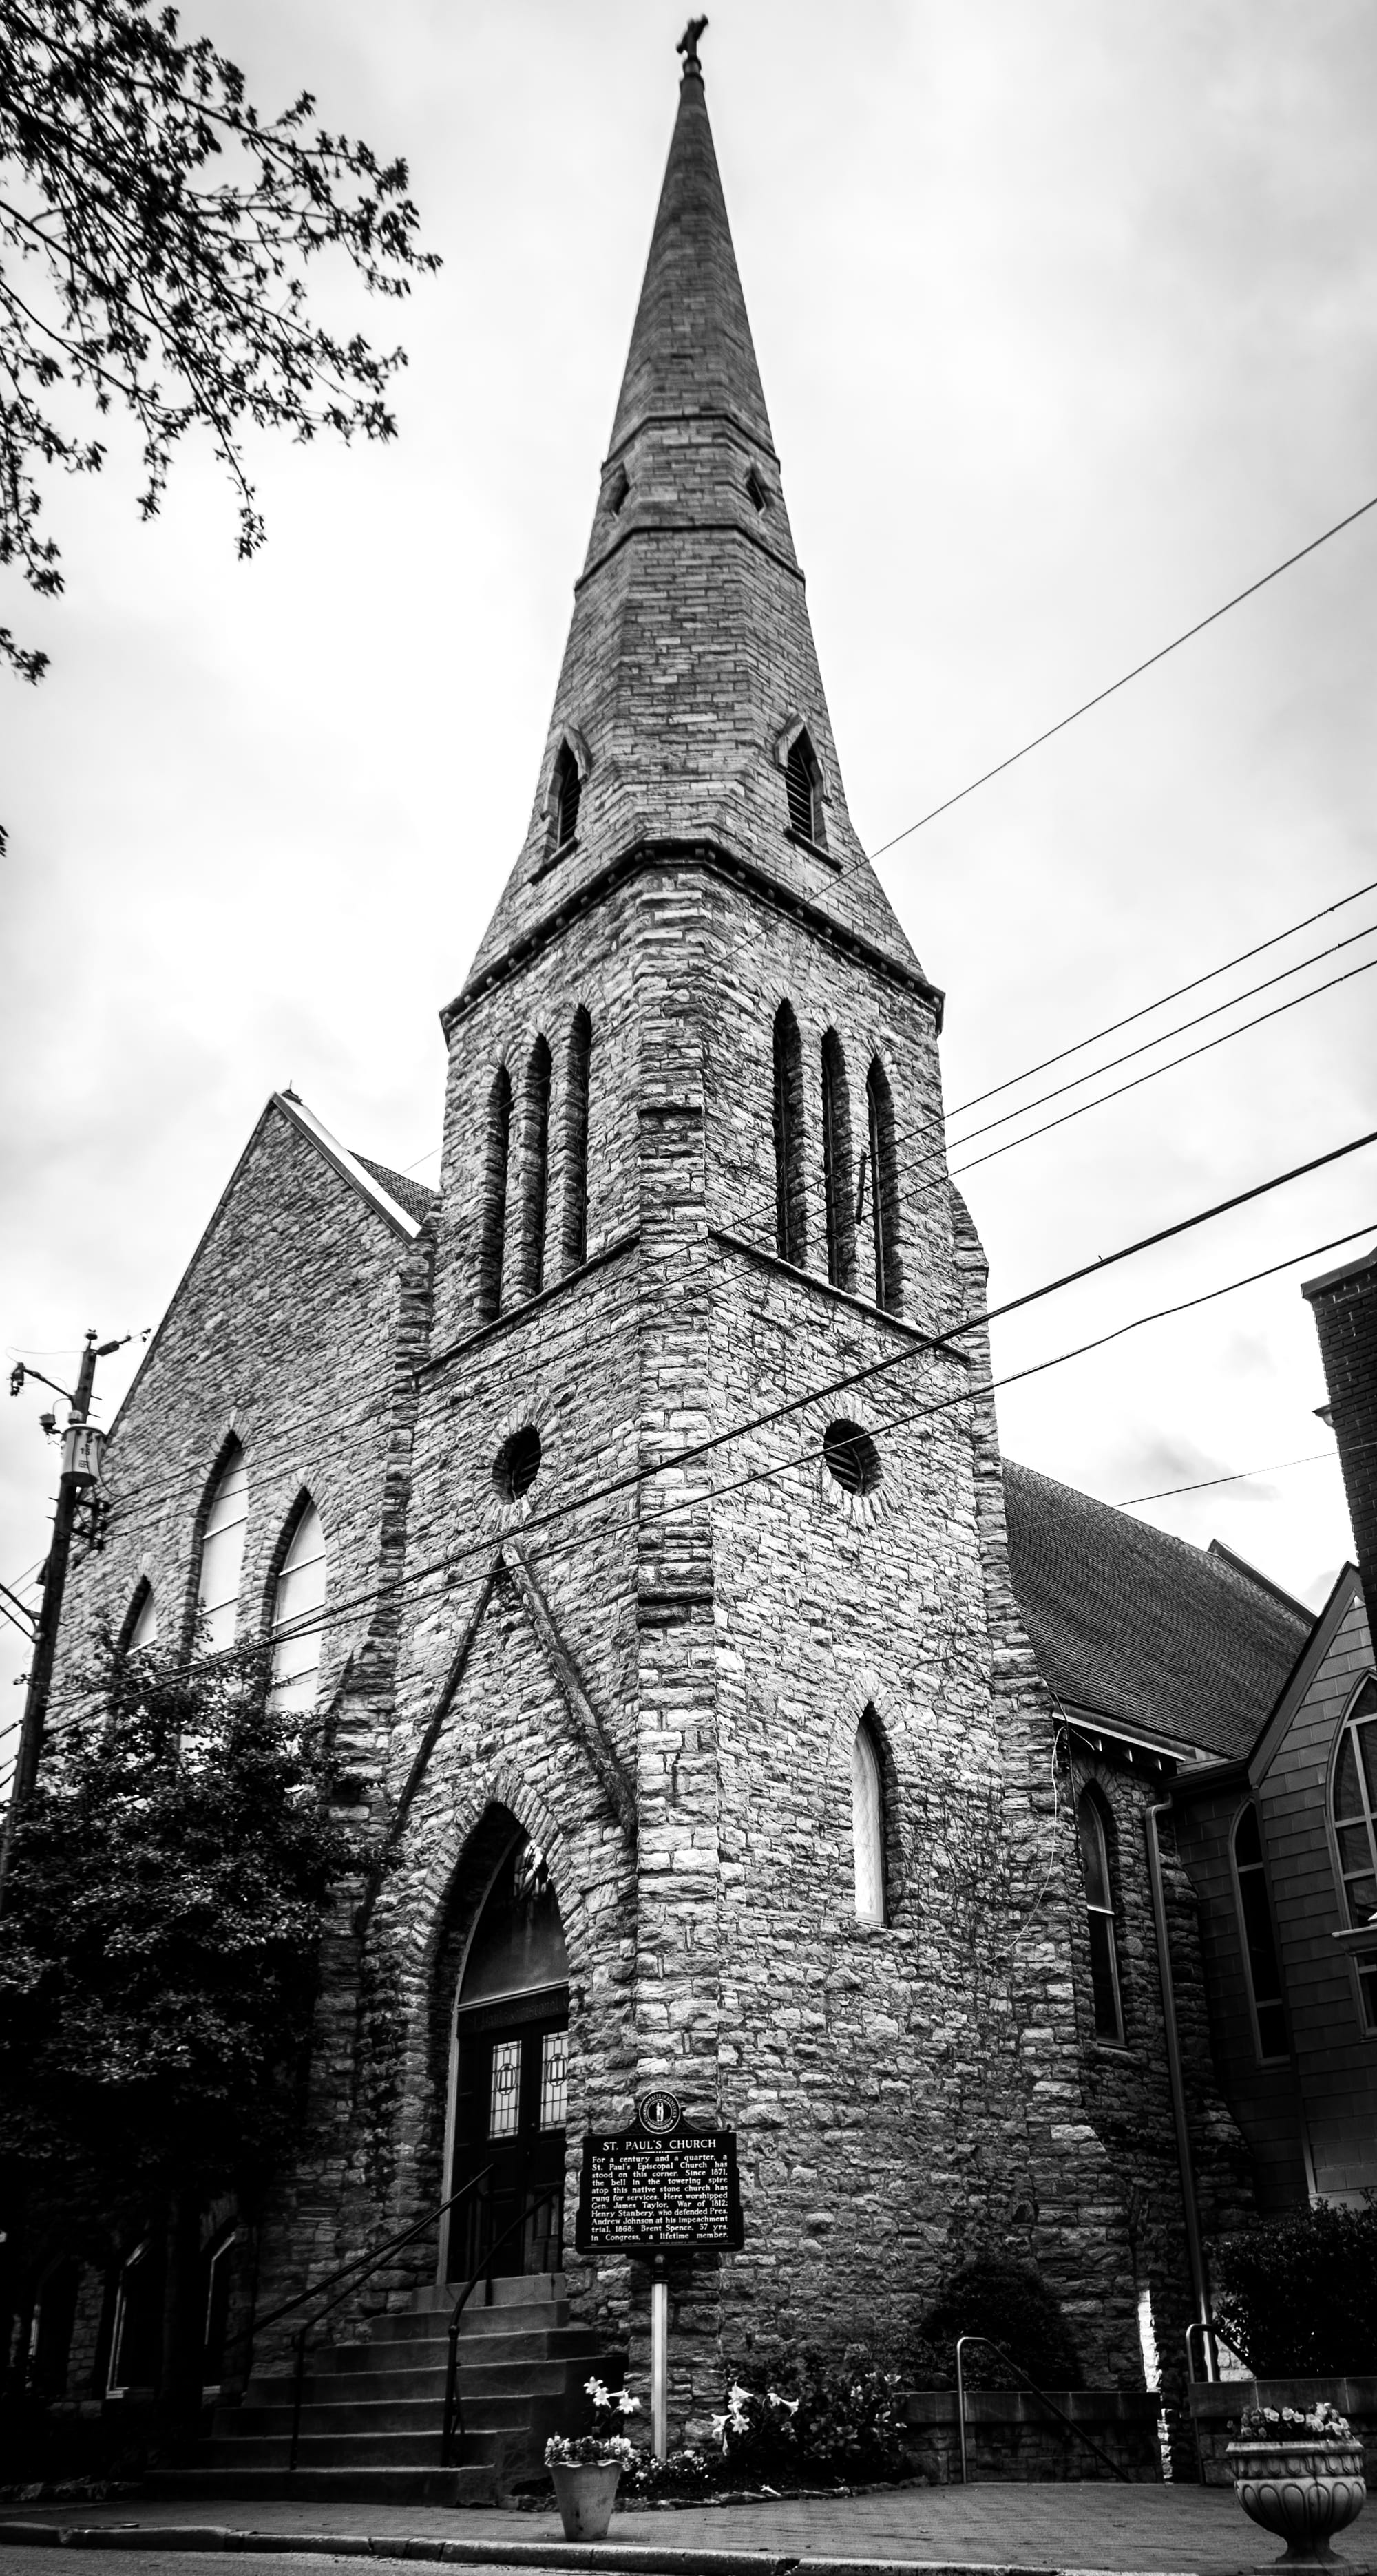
[[654, 2189]]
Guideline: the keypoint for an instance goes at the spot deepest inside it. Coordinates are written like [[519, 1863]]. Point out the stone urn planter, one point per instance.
[[1300, 2477], [585, 2491], [585, 2467]]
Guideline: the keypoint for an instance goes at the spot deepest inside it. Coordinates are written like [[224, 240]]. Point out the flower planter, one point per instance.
[[585, 2491], [1303, 2491]]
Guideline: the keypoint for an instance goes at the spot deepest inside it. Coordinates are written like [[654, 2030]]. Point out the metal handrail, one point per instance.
[[454, 2403], [393, 2246], [1049, 2402]]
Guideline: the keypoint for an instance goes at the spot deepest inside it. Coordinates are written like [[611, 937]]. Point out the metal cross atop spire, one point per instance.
[[688, 46]]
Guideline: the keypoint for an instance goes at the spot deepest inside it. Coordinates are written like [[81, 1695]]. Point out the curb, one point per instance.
[[628, 2557]]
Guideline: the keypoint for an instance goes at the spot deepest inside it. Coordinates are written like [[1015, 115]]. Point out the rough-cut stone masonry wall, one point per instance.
[[294, 1329], [905, 2095]]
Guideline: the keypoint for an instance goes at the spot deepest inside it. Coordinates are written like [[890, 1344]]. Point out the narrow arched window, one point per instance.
[[495, 1193], [790, 1204], [867, 1827], [222, 1551], [884, 1189], [803, 789], [566, 788], [578, 1069], [1099, 1910], [298, 1603], [141, 1620], [1353, 1806], [836, 1165], [535, 1168], [1259, 1938]]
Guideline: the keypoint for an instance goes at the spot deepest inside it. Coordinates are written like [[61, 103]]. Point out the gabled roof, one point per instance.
[[1142, 1627], [1347, 1593], [400, 1203]]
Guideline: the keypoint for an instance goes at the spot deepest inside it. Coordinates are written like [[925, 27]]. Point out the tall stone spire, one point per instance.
[[690, 668]]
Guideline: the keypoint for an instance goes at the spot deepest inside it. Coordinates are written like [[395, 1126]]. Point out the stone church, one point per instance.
[[632, 1508]]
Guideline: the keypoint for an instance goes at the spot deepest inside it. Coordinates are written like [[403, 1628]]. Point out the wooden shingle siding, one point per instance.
[[1336, 2058]]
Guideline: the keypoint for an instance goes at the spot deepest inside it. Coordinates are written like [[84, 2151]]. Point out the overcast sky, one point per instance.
[[1067, 317]]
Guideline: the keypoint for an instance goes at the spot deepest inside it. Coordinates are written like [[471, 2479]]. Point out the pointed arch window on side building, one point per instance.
[[836, 1165], [535, 1161], [884, 1189], [492, 1242], [1259, 1938], [578, 1068], [1353, 1810], [1099, 1911], [141, 1620], [791, 1233], [298, 1602], [222, 1551], [867, 1826], [803, 789]]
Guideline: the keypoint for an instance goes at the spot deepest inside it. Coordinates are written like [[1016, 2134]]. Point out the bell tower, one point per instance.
[[706, 1569]]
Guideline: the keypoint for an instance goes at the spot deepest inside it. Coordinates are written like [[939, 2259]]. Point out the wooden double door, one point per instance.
[[511, 2088]]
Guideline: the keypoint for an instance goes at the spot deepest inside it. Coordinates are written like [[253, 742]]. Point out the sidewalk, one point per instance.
[[995, 2525]]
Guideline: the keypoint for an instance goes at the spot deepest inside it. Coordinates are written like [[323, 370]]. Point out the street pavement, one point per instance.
[[1180, 2530]]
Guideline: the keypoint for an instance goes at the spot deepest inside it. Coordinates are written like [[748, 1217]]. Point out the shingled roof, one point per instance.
[[411, 1195], [1144, 1628]]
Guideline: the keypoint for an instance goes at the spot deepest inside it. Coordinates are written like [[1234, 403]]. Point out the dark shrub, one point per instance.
[[1298, 2299], [820, 2418], [1015, 2308]]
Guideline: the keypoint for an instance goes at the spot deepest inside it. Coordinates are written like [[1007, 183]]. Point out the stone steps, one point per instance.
[[372, 2412]]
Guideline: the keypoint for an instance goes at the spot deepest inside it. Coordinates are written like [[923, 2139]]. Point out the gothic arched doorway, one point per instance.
[[509, 2075]]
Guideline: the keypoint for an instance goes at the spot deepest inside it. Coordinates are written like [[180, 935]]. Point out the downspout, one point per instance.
[[1194, 2246]]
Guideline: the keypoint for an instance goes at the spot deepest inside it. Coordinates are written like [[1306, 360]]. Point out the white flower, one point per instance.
[[738, 2397], [598, 2390], [628, 2405]]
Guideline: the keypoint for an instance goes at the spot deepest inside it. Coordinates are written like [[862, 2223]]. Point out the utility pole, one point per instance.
[[81, 1446]]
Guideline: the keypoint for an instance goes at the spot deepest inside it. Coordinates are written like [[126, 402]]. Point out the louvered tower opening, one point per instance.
[[800, 780], [568, 788]]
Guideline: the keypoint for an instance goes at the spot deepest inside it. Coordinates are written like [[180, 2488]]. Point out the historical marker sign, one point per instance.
[[658, 2187]]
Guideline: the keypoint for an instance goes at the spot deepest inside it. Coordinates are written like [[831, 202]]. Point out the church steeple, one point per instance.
[[691, 349], [690, 707]]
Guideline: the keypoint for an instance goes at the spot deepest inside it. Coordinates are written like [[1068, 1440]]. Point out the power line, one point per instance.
[[690, 1453], [764, 1203], [1146, 1045], [1114, 686], [1244, 1475], [427, 1590], [1206, 1048], [1112, 1027]]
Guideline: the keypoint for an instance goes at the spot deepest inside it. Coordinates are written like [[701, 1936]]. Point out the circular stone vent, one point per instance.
[[852, 1456], [517, 1464]]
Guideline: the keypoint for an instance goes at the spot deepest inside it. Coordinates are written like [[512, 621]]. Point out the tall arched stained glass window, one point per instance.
[[144, 1631], [222, 1551], [1353, 1806], [298, 1601], [1259, 1939], [1099, 1910], [867, 1827]]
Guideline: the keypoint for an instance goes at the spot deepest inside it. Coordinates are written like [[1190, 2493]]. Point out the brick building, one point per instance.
[[731, 1758]]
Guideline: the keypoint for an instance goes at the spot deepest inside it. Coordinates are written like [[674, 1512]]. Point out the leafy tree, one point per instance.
[[154, 228], [158, 1960]]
